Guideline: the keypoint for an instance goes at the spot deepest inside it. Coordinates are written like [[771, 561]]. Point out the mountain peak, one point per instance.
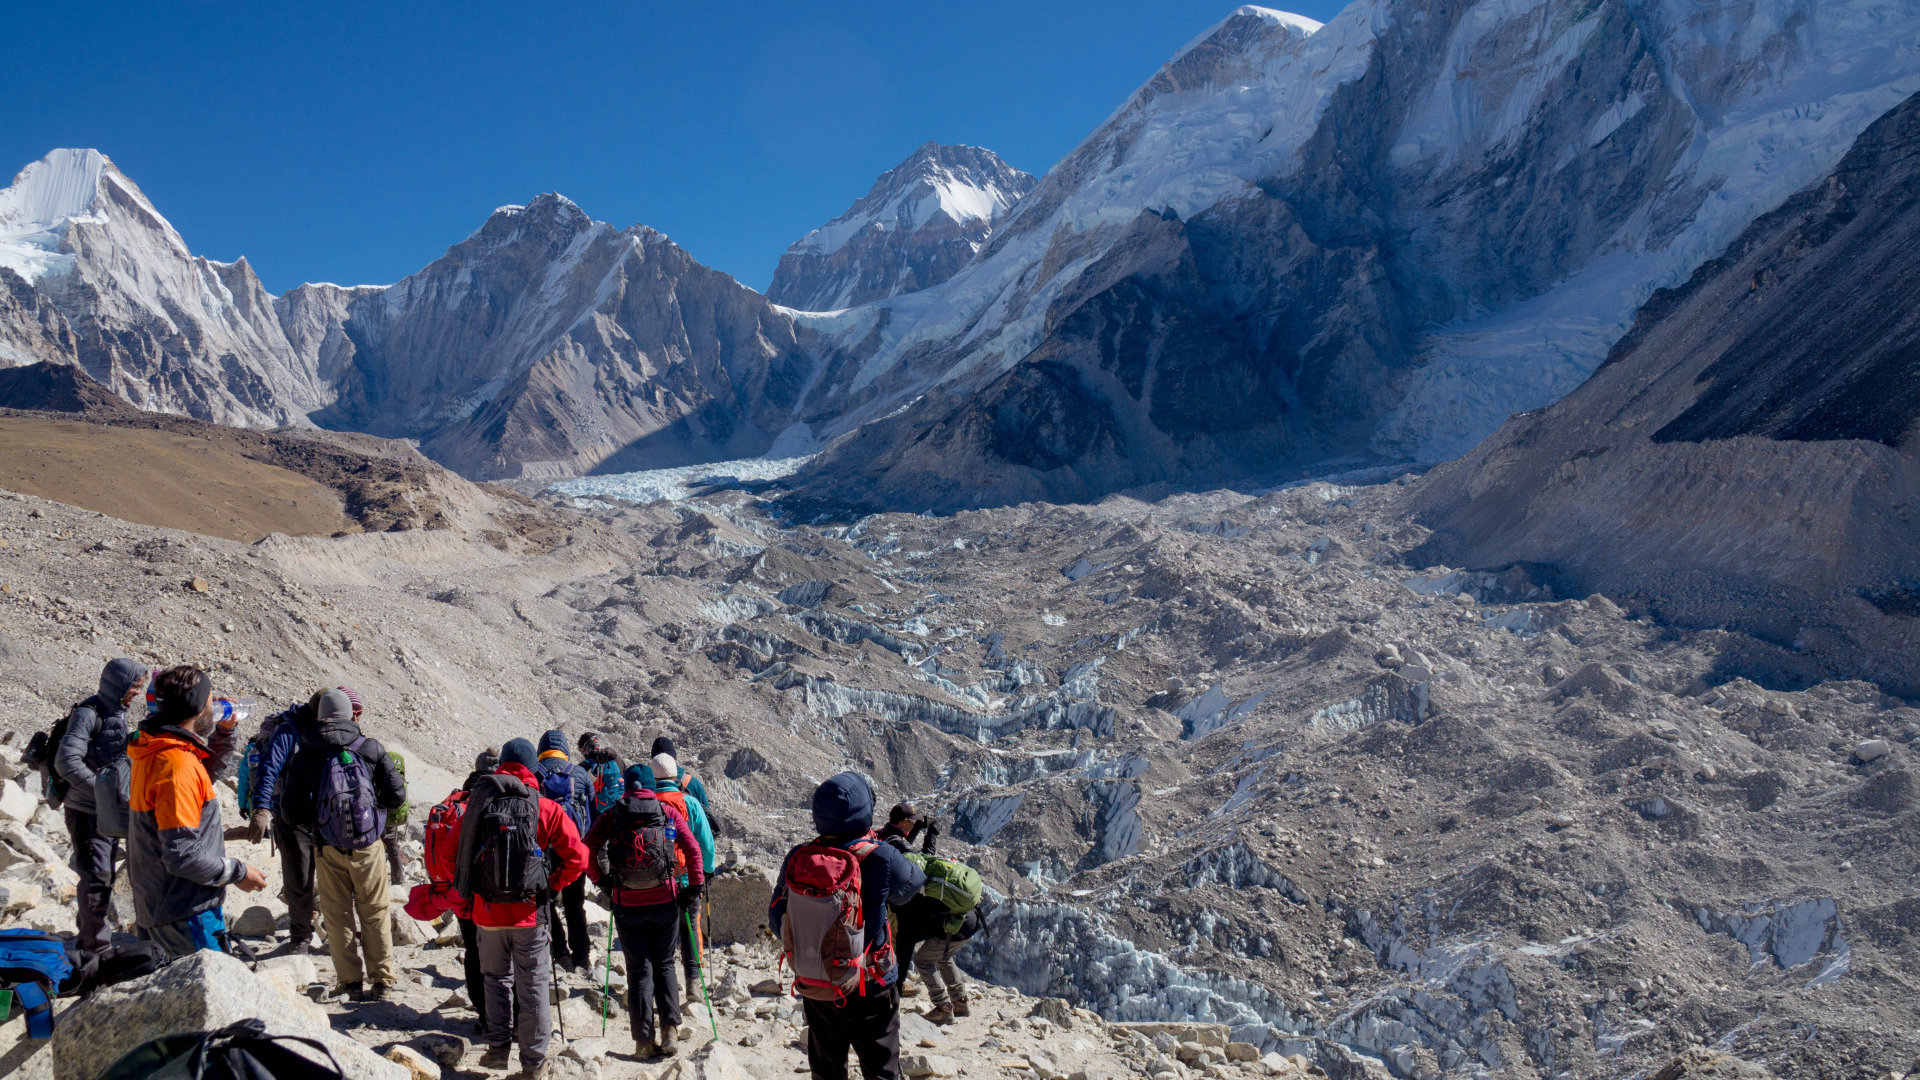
[[921, 221]]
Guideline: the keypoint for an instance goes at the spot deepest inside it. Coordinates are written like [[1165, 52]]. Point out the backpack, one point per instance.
[[642, 853], [240, 1051], [112, 797], [117, 964], [954, 884], [249, 764], [443, 838], [39, 755], [508, 865], [398, 817], [35, 965], [348, 816], [608, 786], [824, 934]]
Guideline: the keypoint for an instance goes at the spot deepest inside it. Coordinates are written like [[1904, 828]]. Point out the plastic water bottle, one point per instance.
[[228, 713]]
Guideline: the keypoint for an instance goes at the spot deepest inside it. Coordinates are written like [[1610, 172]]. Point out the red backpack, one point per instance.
[[824, 935], [443, 838]]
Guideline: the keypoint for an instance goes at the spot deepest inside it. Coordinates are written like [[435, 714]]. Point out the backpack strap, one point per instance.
[[38, 1007]]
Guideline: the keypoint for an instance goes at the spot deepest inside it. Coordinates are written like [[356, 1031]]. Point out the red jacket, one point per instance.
[[611, 823], [559, 836]]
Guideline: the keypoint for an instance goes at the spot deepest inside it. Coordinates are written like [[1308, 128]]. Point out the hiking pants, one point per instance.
[[516, 966], [93, 861], [396, 868], [868, 1025], [349, 884], [646, 937], [476, 986], [296, 875], [571, 942], [693, 948], [934, 962], [184, 937]]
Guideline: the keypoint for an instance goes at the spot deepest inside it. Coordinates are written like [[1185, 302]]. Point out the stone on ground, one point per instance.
[[737, 904]]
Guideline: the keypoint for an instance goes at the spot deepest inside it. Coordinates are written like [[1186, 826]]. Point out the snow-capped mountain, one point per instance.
[[94, 275], [924, 219], [549, 344], [1299, 245], [1746, 458]]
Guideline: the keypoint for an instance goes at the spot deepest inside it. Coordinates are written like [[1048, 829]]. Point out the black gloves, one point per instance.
[[689, 893]]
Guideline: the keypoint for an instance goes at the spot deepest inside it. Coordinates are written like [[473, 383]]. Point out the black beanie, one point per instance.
[[663, 745], [518, 752]]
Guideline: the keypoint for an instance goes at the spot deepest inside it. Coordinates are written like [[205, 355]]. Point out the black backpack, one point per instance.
[[508, 865], [240, 1051], [40, 753], [642, 851]]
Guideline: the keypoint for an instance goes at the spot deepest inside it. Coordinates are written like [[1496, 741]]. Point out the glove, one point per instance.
[[257, 827], [688, 895]]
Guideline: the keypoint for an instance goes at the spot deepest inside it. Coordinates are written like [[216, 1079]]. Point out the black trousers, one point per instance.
[[93, 861], [296, 875], [476, 990], [653, 994], [868, 1025], [693, 949], [567, 924]]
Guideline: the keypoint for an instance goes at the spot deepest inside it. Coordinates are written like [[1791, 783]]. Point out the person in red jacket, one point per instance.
[[504, 875], [636, 851]]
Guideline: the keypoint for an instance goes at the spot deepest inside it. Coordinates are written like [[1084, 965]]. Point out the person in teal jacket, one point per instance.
[[689, 783], [692, 944]]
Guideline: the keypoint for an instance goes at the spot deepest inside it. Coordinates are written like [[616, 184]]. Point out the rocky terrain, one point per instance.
[[1222, 759]]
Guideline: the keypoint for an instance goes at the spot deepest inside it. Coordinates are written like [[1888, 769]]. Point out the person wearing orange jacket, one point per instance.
[[514, 845], [177, 861]]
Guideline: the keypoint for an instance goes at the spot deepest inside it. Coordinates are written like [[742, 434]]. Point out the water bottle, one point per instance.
[[229, 714]]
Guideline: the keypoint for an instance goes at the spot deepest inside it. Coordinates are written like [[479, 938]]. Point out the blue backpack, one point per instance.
[[249, 765], [34, 964], [608, 787], [349, 817], [557, 783]]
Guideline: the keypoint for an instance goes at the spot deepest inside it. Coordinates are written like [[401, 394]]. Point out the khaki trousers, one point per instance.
[[349, 883]]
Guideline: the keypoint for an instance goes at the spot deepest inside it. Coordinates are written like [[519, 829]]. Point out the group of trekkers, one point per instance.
[[508, 854]]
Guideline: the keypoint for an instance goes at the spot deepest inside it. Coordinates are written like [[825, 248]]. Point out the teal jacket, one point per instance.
[[696, 816]]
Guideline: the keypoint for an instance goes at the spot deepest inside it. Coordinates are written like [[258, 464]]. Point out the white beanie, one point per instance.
[[665, 768]]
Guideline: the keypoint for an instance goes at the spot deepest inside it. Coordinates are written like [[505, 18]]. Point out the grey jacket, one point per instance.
[[97, 733]]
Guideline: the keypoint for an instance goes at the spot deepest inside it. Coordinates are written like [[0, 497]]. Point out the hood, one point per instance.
[[552, 742], [118, 676], [843, 806], [333, 733], [518, 772], [150, 743]]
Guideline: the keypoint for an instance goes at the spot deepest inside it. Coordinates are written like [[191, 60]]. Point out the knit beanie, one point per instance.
[[662, 744], [333, 705], [517, 752], [664, 768], [352, 697]]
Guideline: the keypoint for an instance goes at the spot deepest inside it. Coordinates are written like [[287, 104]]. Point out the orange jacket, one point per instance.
[[177, 860]]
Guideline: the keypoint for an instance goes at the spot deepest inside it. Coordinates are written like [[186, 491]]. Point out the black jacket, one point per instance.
[[300, 783], [97, 734]]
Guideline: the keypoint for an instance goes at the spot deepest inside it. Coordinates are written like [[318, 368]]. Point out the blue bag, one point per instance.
[[35, 964]]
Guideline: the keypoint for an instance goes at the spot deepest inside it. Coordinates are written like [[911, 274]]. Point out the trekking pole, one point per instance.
[[700, 963], [606, 985], [559, 999]]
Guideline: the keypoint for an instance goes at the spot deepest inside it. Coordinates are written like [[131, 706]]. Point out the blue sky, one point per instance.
[[355, 142]]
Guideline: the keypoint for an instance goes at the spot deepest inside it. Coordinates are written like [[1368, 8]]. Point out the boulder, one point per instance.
[[201, 992], [1214, 1035], [255, 922], [22, 839], [589, 1049], [929, 1065], [917, 1030], [1871, 751], [15, 803], [18, 896], [1057, 1010], [407, 930], [712, 1061], [737, 904], [1239, 1051], [446, 1049], [418, 1065]]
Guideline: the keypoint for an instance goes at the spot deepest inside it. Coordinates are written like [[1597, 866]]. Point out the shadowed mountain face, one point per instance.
[[1748, 454], [924, 219]]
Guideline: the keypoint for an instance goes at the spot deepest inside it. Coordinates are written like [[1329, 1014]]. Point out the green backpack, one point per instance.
[[954, 884], [398, 817]]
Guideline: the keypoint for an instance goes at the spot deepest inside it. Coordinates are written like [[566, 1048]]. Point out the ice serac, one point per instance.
[[95, 275], [550, 344], [1300, 248], [1747, 455], [924, 219]]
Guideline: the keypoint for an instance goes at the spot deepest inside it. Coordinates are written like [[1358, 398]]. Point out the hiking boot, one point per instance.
[[960, 1006], [496, 1057], [532, 1072], [666, 1043], [940, 1014], [645, 1049], [377, 992], [909, 989], [348, 991], [298, 946]]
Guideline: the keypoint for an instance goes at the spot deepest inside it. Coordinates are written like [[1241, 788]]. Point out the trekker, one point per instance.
[[339, 787], [96, 738], [905, 825], [428, 901], [935, 926], [644, 843], [396, 859], [693, 927], [603, 769], [570, 786], [682, 776], [856, 1007], [295, 845], [506, 838], [924, 917], [176, 855], [934, 961]]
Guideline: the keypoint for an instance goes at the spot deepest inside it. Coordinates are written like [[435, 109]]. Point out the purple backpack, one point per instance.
[[349, 819]]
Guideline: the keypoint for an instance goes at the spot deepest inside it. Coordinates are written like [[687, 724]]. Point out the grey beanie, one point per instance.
[[333, 705]]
